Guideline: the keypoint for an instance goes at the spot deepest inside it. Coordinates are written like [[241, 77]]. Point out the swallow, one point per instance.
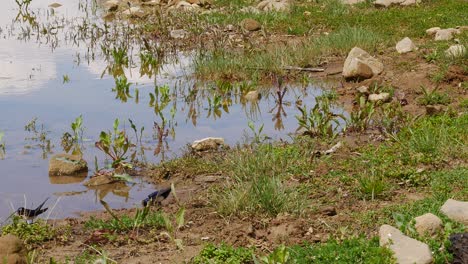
[[30, 214], [157, 197]]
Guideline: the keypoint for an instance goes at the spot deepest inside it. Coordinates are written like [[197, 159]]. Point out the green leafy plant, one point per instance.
[[258, 137], [360, 119], [39, 135], [223, 254], [122, 87], [433, 97], [280, 255], [75, 138], [34, 233], [405, 223], [320, 121], [372, 185], [115, 144]]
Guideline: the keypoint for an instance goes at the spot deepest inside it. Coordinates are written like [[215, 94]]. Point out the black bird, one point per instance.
[[30, 214], [157, 196]]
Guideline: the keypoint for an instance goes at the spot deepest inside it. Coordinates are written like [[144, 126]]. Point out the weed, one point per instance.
[[75, 139], [360, 119], [280, 255], [372, 185], [122, 87], [223, 254], [66, 78], [115, 144], [258, 137], [320, 121], [39, 136], [34, 233], [433, 97], [142, 219]]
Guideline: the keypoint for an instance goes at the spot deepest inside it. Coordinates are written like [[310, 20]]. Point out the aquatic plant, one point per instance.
[[319, 121], [39, 135], [115, 145], [122, 87], [2, 146], [361, 118]]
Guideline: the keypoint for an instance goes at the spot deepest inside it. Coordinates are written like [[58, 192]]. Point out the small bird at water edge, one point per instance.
[[157, 197], [30, 214]]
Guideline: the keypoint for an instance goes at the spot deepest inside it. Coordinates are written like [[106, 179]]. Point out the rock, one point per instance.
[[55, 5], [12, 250], [405, 45], [359, 64], [410, 2], [66, 164], [386, 3], [111, 5], [252, 96], [274, 5], [363, 90], [250, 24], [134, 11], [230, 28], [432, 31], [352, 2], [328, 210], [186, 5], [405, 249], [445, 34], [209, 143], [432, 110], [77, 178], [456, 210], [428, 224], [383, 97], [456, 51], [100, 180], [459, 248], [178, 34]]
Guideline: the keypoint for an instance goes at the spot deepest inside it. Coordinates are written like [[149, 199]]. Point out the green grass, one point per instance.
[[223, 254], [125, 223], [354, 250], [35, 233]]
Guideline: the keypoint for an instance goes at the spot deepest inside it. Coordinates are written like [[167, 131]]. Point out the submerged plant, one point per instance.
[[39, 135], [122, 87], [115, 144]]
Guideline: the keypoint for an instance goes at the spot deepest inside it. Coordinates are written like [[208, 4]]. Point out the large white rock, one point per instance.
[[405, 45], [456, 210], [432, 31], [210, 143], [428, 224], [456, 51], [446, 34], [387, 3], [383, 97], [359, 64], [405, 249], [274, 5]]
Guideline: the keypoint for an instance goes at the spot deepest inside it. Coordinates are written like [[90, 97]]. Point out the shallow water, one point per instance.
[[32, 71]]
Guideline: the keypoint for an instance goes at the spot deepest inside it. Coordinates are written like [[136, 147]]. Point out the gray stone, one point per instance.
[[210, 143], [456, 210], [446, 34], [363, 90], [405, 249], [359, 64], [432, 31], [428, 224], [66, 164], [274, 5], [250, 24], [178, 34], [455, 51], [405, 45], [383, 97]]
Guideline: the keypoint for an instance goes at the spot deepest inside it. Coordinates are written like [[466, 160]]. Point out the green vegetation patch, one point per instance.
[[223, 254], [34, 233]]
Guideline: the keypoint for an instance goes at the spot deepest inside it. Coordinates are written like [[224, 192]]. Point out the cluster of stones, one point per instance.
[[408, 250]]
